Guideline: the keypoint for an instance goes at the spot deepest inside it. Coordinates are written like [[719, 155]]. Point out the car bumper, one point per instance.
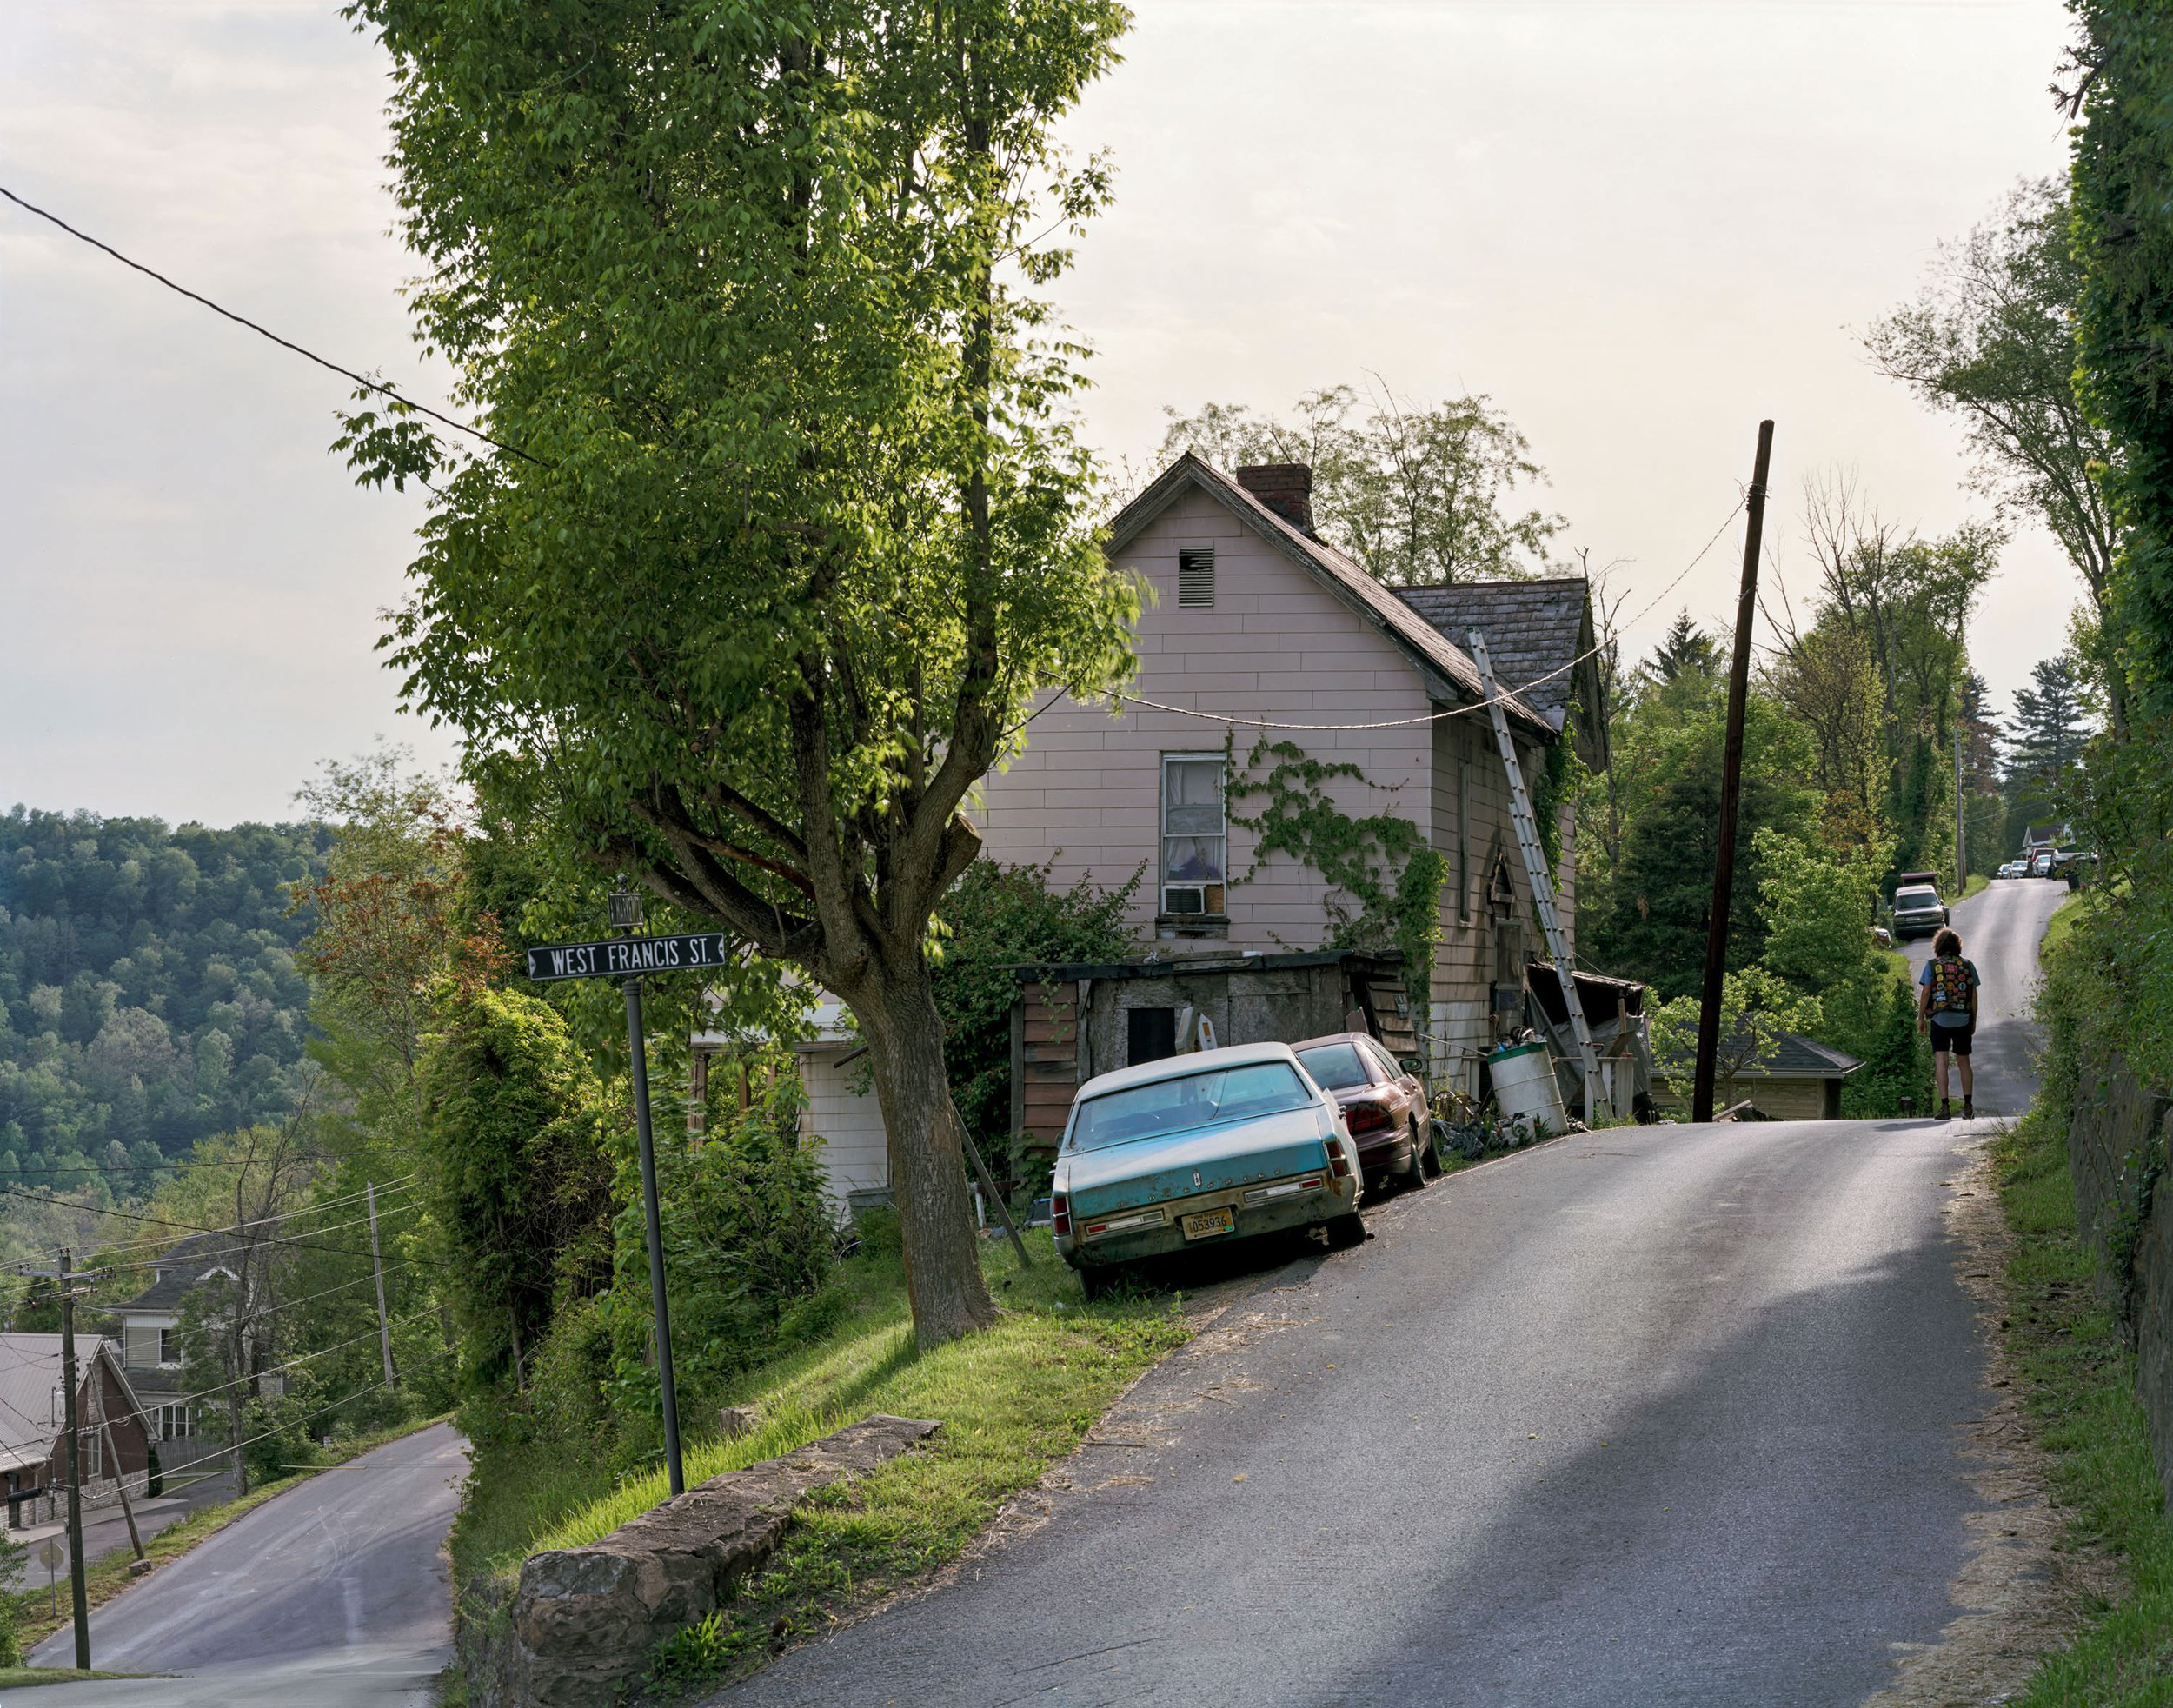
[[1268, 1206], [1915, 925]]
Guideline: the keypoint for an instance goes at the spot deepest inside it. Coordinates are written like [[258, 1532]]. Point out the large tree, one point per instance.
[[1419, 494], [788, 529], [1991, 341]]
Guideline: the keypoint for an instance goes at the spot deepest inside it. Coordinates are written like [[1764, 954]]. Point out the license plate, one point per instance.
[[1203, 1223]]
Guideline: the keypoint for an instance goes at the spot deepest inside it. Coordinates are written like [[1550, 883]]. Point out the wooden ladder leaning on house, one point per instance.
[[1535, 866]]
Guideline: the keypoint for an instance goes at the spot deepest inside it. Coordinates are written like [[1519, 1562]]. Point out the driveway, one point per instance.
[[333, 1593]]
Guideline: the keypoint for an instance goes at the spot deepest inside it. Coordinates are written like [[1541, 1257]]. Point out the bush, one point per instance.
[[12, 1554]]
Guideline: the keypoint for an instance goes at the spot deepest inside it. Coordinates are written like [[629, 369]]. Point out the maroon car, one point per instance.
[[1384, 1105]]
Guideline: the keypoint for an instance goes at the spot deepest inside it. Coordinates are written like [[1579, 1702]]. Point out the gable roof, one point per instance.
[[178, 1269], [1534, 631], [1448, 670], [1794, 1057], [30, 1371]]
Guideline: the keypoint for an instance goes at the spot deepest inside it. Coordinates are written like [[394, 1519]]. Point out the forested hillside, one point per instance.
[[148, 995]]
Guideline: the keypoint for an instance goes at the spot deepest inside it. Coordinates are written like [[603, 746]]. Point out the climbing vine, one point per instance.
[[1382, 863]]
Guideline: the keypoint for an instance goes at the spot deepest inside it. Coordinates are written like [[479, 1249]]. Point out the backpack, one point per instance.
[[1949, 986]]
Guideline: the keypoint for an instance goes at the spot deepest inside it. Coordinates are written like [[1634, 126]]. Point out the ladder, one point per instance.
[[1535, 866]]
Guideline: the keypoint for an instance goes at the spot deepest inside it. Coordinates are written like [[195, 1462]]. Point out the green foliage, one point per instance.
[[1381, 863], [995, 918], [12, 1555], [149, 995], [2123, 233], [1417, 494], [517, 1174], [1755, 1008]]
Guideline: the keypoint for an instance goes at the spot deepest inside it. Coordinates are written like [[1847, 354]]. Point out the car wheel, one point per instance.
[[1436, 1137], [1344, 1231], [1415, 1170], [1095, 1283]]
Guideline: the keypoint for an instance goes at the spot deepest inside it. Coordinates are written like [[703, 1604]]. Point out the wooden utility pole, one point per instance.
[[1961, 820], [377, 1264], [113, 1456], [76, 1588], [1731, 787]]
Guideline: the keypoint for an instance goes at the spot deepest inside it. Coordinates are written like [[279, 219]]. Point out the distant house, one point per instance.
[[1257, 630], [34, 1433], [1800, 1081], [151, 1351]]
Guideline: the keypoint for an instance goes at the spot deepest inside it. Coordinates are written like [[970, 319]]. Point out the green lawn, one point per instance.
[[1012, 1400], [2081, 1391], [23, 1677], [1977, 880]]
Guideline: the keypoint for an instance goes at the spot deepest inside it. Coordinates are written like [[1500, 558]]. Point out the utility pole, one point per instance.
[[377, 1263], [75, 1461], [1731, 787], [626, 918]]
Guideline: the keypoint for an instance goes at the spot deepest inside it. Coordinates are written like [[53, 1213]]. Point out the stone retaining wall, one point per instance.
[[578, 1628], [2117, 1147]]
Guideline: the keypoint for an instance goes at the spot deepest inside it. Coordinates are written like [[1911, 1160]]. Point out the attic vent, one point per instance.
[[1196, 579]]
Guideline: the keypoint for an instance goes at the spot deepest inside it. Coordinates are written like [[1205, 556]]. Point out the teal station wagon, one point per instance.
[[1199, 1150]]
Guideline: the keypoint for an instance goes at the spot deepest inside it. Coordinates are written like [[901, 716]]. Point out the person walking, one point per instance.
[[1946, 1007]]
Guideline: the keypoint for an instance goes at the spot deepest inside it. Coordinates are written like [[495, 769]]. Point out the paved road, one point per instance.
[[333, 1593], [2000, 927], [105, 1529], [1663, 1415]]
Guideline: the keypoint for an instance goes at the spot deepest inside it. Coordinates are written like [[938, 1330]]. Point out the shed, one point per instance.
[[1073, 1022], [1800, 1081]]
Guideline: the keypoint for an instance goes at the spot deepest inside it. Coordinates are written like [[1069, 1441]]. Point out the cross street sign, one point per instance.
[[628, 957]]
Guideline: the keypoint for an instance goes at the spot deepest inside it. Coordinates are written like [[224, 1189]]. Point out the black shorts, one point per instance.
[[1955, 1038]]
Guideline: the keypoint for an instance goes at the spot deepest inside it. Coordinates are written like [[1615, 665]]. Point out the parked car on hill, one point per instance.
[[2042, 862], [1384, 1105], [1200, 1149], [1917, 911]]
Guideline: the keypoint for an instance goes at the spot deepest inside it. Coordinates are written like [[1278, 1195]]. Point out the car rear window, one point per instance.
[[1335, 1065], [1917, 898], [1190, 1099]]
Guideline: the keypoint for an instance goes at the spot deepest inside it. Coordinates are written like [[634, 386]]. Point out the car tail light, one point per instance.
[[1060, 1212], [1338, 1163], [1364, 1117]]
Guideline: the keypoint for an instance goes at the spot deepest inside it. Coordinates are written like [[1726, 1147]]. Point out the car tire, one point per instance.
[[1414, 1174], [1344, 1231], [1435, 1136], [1096, 1283]]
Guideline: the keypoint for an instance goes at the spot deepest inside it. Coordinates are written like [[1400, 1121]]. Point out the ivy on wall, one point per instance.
[[1381, 862]]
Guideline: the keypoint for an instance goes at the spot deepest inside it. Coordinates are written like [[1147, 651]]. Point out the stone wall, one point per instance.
[[2118, 1146], [578, 1628]]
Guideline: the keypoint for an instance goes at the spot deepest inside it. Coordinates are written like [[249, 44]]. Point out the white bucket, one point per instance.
[[1525, 1085]]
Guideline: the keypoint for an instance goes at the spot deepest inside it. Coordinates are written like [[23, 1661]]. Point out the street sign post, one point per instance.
[[627, 959]]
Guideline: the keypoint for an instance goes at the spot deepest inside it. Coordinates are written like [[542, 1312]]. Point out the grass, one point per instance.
[[2064, 921], [105, 1578], [1977, 880], [1012, 1400], [23, 1677], [2081, 1391]]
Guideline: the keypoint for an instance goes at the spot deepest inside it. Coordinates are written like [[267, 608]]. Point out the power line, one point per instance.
[[290, 1242], [377, 386], [116, 1251], [195, 1394]]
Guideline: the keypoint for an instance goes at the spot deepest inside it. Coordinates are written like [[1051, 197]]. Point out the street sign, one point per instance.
[[629, 957], [51, 1555]]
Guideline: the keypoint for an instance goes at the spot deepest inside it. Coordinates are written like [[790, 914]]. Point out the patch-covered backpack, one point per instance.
[[1949, 985]]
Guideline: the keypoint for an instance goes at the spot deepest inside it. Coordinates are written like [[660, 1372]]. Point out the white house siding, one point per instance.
[[1277, 645], [855, 1154]]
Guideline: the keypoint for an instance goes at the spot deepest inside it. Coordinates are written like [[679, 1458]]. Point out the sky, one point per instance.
[[1640, 226]]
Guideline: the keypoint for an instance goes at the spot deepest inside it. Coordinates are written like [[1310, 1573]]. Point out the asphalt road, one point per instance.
[[334, 1593], [1662, 1415], [105, 1530], [2000, 927]]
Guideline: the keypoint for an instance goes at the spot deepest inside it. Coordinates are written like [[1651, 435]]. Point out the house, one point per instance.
[[1799, 1080], [34, 1431], [1256, 632], [1260, 645], [151, 1346]]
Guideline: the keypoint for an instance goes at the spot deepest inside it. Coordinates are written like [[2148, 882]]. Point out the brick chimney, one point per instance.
[[1284, 488]]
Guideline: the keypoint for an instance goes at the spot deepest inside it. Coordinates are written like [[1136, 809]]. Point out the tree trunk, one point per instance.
[[897, 1012]]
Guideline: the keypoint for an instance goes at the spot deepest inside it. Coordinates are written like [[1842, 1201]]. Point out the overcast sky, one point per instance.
[[1640, 226]]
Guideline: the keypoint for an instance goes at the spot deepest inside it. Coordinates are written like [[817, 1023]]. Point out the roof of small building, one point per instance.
[[178, 1269], [1794, 1057], [29, 1371], [1448, 667], [1534, 631]]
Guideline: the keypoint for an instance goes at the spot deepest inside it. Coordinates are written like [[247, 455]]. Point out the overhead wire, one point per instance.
[[345, 373], [289, 1241]]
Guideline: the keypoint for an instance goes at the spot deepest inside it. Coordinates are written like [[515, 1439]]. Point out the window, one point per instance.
[[1463, 841], [1188, 1100], [168, 1346], [176, 1423], [1194, 833], [1196, 579], [1150, 1034], [1335, 1066]]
